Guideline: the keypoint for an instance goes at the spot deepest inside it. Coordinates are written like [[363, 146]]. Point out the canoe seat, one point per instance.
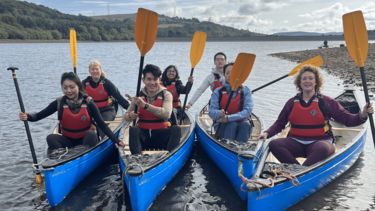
[[151, 152]]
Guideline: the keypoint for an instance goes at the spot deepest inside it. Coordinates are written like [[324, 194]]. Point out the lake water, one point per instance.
[[200, 185]]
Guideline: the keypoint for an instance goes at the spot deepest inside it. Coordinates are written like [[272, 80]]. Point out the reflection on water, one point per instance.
[[199, 185]]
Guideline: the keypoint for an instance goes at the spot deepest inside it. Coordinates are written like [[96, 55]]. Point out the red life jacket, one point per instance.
[[217, 82], [308, 122], [236, 103], [98, 94], [75, 126], [148, 120], [176, 97]]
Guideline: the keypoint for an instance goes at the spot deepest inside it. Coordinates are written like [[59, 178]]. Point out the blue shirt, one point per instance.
[[214, 109]]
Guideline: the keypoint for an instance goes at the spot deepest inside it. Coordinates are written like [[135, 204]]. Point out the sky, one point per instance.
[[261, 16]]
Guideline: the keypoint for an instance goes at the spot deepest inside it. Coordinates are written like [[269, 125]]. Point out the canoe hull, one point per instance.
[[284, 195], [143, 189], [62, 179], [226, 160]]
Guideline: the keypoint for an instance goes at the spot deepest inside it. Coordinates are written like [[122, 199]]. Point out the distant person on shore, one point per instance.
[[153, 129], [171, 80], [76, 113], [325, 44], [104, 93], [234, 124], [214, 80], [308, 113]]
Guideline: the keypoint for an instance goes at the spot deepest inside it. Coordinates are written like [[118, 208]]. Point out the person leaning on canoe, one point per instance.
[[214, 80], [308, 113], [234, 124], [153, 129], [76, 113], [171, 80], [103, 91]]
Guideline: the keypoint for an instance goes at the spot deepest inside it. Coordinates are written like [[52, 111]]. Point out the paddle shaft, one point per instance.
[[27, 128], [364, 84], [75, 70], [188, 87], [267, 84], [139, 83], [225, 111]]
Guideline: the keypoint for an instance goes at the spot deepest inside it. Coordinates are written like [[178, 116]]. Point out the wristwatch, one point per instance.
[[145, 106]]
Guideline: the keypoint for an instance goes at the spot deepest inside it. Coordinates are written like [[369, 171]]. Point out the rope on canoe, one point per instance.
[[132, 165]]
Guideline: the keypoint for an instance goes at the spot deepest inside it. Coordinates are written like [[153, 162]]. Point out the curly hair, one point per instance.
[[315, 71]]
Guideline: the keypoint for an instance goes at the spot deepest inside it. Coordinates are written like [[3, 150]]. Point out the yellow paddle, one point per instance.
[[240, 72], [356, 38], [73, 48], [146, 29], [196, 51], [38, 176], [316, 61]]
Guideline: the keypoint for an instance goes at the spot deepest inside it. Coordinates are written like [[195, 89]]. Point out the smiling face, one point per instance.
[[70, 89], [171, 73], [95, 72], [152, 83], [308, 82]]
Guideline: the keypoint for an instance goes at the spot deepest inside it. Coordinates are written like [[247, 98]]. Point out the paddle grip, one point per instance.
[[367, 98], [26, 123]]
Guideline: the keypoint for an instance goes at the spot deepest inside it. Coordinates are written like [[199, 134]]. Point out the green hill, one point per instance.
[[28, 21]]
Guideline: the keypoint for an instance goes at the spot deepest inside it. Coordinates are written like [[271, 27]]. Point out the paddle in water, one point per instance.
[[38, 176], [316, 61], [240, 72], [196, 51], [356, 39], [146, 29], [73, 48]]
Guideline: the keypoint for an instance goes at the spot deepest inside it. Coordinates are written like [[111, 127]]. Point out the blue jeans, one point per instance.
[[239, 131]]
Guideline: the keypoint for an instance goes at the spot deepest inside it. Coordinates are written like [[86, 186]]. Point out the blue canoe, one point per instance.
[[63, 170], [145, 176], [228, 154], [296, 182]]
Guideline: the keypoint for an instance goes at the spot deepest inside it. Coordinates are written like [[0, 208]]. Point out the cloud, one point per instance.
[[257, 7]]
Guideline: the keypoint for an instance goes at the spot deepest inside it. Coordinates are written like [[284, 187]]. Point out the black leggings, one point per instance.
[[56, 141], [166, 139]]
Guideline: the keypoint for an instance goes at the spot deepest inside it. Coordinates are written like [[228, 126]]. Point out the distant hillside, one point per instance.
[[302, 33], [24, 20]]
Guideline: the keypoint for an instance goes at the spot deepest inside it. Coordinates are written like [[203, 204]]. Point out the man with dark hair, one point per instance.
[[153, 130], [214, 80]]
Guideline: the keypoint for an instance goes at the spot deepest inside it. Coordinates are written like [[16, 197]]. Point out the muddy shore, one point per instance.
[[338, 62]]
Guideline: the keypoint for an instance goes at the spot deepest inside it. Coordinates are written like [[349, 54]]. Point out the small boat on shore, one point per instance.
[[277, 186], [145, 176], [64, 169], [228, 155]]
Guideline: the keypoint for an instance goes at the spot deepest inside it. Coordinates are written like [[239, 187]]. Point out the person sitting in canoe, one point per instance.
[[103, 91], [234, 124], [171, 80], [308, 113], [153, 130], [214, 80], [76, 113]]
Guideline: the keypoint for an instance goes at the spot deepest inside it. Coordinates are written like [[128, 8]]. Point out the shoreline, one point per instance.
[[338, 62]]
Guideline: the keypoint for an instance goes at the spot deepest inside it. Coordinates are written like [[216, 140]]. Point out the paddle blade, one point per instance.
[[356, 36], [315, 61], [197, 47], [73, 46], [146, 29], [241, 69]]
